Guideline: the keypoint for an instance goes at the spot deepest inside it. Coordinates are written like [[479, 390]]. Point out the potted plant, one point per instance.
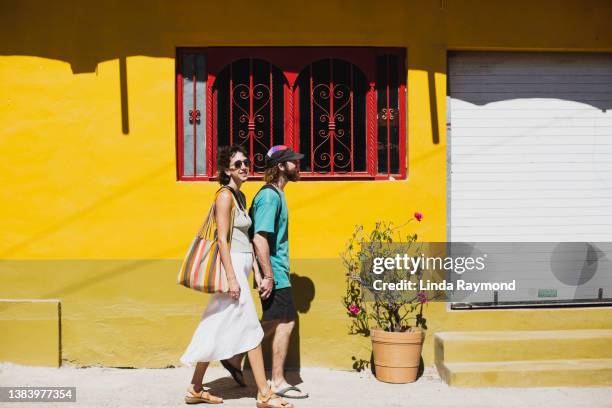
[[392, 319]]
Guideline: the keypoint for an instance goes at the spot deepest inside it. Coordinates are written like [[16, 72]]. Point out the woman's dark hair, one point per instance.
[[224, 155]]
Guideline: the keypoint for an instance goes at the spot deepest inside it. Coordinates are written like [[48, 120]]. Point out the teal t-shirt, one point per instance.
[[265, 208]]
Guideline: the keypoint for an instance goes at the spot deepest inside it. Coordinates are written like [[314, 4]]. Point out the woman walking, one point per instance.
[[229, 325]]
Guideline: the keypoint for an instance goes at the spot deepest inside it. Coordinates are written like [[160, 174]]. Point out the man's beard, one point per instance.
[[293, 175]]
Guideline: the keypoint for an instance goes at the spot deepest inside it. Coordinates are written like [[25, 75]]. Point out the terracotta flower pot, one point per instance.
[[397, 355]]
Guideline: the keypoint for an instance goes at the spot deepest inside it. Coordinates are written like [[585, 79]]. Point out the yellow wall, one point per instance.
[[95, 217], [30, 332]]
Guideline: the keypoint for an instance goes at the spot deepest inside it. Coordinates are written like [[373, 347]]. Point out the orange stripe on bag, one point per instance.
[[198, 259]]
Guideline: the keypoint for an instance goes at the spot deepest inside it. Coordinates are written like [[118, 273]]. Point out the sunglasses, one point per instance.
[[238, 164]]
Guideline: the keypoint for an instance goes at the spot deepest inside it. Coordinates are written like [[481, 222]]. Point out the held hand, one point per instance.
[[258, 281], [265, 288], [234, 289]]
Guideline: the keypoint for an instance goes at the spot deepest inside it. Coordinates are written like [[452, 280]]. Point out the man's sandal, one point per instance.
[[194, 397], [271, 401], [286, 392], [235, 372]]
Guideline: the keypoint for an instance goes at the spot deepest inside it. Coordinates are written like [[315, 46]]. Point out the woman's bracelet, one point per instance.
[[269, 277]]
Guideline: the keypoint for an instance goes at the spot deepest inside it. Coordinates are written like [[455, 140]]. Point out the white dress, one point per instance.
[[229, 327]]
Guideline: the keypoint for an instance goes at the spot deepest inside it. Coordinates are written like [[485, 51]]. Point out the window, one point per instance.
[[343, 108]]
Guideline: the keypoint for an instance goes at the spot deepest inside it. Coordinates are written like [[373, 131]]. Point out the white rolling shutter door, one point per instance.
[[530, 147]]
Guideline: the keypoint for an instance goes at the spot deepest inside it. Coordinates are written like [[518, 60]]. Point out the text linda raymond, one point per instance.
[[445, 285]]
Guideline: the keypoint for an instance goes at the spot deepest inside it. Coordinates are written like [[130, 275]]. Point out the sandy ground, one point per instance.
[[112, 387]]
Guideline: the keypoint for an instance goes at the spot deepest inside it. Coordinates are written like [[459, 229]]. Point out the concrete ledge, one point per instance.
[[479, 346], [543, 373], [30, 332], [540, 358]]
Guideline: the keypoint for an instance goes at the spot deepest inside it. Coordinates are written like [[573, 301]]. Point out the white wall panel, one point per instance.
[[530, 154], [530, 132]]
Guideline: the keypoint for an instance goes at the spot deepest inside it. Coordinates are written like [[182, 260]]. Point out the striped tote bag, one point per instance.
[[202, 269]]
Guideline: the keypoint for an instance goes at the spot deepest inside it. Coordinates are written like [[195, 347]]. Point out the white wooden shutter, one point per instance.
[[530, 152]]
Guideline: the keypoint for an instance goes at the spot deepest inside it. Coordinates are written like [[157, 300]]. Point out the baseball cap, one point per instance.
[[279, 154]]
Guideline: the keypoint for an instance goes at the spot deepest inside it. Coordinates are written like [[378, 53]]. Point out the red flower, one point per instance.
[[354, 310], [418, 216]]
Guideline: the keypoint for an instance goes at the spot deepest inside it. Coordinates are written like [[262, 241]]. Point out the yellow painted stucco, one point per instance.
[[30, 331], [91, 210]]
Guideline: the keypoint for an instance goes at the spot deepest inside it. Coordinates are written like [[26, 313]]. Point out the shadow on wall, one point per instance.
[[482, 78], [86, 33]]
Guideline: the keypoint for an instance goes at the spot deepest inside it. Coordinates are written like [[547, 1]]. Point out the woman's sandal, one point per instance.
[[194, 397], [271, 401]]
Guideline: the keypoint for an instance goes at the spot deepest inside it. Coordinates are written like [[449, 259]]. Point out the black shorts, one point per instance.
[[279, 306]]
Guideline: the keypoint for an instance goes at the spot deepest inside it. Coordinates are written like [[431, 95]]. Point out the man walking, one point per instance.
[[271, 242]]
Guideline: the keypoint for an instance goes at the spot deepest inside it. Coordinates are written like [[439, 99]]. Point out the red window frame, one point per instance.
[[292, 61]]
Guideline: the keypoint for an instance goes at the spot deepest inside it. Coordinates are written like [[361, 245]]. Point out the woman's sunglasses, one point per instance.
[[238, 164]]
